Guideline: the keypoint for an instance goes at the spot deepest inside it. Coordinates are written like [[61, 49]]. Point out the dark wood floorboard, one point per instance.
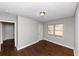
[[42, 48]]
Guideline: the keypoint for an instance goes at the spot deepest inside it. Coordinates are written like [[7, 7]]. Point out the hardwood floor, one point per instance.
[[42, 48]]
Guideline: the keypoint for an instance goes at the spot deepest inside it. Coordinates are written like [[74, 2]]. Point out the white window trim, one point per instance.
[[47, 29], [54, 30]]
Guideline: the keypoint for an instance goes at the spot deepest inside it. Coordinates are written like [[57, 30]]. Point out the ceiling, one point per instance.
[[54, 10]]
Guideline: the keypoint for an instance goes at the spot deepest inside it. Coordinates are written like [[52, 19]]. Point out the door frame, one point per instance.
[[15, 37]]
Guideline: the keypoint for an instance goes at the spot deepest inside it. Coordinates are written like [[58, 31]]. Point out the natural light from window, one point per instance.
[[51, 29], [56, 29], [59, 29]]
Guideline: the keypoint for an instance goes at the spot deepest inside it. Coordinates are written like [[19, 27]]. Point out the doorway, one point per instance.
[[7, 35]]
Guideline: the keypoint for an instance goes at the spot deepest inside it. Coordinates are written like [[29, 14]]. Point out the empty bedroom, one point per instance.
[[39, 28]]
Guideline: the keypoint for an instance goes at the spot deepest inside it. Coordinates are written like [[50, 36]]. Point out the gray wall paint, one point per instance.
[[8, 31], [32, 34], [77, 31], [40, 28], [6, 17], [68, 39], [28, 31]]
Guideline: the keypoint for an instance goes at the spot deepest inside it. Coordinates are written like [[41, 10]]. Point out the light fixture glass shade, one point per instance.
[[42, 13]]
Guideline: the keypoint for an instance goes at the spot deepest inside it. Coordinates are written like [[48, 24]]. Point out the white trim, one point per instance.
[[1, 33], [7, 21], [59, 43], [15, 29], [28, 45], [1, 42], [75, 54], [15, 35]]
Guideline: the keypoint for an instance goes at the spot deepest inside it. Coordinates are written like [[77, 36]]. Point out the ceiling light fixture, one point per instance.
[[42, 13]]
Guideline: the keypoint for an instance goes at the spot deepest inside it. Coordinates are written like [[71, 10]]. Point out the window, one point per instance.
[[59, 29], [51, 29], [56, 29]]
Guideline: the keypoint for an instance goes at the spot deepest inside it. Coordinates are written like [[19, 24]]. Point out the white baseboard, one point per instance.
[[47, 40], [28, 45], [75, 54], [59, 43]]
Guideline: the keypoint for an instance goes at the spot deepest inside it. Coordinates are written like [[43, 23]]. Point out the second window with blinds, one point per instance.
[[57, 30]]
